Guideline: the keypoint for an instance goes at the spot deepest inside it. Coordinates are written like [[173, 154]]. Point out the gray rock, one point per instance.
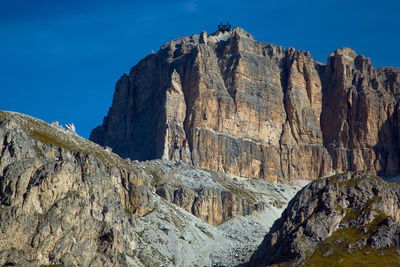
[[70, 127], [317, 219], [65, 200]]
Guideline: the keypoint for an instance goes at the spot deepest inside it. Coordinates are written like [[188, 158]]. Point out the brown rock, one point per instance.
[[359, 120], [213, 200], [256, 110], [203, 38]]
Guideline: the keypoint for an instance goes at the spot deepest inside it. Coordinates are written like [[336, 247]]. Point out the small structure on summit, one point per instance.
[[224, 27]]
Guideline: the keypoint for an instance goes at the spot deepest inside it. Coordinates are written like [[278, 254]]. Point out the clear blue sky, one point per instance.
[[61, 59]]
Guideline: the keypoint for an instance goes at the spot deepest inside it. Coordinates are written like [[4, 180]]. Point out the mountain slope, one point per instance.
[[66, 200], [226, 102], [351, 219]]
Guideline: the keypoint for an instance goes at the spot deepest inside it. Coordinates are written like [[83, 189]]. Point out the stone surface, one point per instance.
[[61, 204], [351, 219], [361, 122], [65, 200], [212, 198], [228, 103], [70, 127]]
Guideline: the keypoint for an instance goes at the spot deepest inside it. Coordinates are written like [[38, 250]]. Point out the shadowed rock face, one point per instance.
[[360, 121], [351, 219], [229, 103]]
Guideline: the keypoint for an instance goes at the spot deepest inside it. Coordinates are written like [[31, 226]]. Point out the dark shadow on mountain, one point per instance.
[[388, 147]]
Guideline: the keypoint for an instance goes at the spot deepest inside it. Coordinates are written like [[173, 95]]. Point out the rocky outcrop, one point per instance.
[[360, 122], [212, 198], [210, 205], [351, 219], [65, 200], [61, 204], [228, 103]]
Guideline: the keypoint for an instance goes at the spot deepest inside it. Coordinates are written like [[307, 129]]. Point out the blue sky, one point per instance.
[[61, 59]]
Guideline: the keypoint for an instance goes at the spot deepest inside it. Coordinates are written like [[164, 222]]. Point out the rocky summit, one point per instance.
[[228, 103], [351, 219], [190, 126]]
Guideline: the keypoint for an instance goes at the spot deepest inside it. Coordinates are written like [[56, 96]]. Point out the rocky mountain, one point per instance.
[[228, 103], [65, 200], [209, 112], [351, 219]]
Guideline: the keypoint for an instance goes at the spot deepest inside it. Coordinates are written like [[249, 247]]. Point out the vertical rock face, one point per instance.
[[360, 118], [229, 103]]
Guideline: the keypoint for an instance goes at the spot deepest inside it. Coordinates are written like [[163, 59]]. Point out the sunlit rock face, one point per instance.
[[67, 201], [228, 103]]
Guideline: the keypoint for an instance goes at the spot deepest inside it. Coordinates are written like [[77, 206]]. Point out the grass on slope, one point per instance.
[[48, 134], [348, 247], [344, 248]]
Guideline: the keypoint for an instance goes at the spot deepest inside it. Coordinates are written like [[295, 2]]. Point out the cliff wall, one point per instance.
[[226, 102]]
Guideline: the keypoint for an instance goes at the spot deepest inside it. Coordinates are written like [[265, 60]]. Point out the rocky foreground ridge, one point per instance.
[[66, 200], [226, 102], [351, 219]]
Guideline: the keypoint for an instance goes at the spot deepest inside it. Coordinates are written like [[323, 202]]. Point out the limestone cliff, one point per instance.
[[62, 199], [360, 121], [351, 219], [229, 103], [68, 201]]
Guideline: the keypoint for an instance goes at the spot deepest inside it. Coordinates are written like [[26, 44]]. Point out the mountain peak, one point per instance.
[[230, 33], [346, 51], [255, 110]]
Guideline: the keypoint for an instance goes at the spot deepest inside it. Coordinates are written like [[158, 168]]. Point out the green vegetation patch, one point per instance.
[[341, 179], [354, 213], [363, 257], [351, 214], [131, 255], [338, 206], [72, 194], [39, 152], [128, 212], [3, 208], [345, 248], [47, 138], [47, 134]]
